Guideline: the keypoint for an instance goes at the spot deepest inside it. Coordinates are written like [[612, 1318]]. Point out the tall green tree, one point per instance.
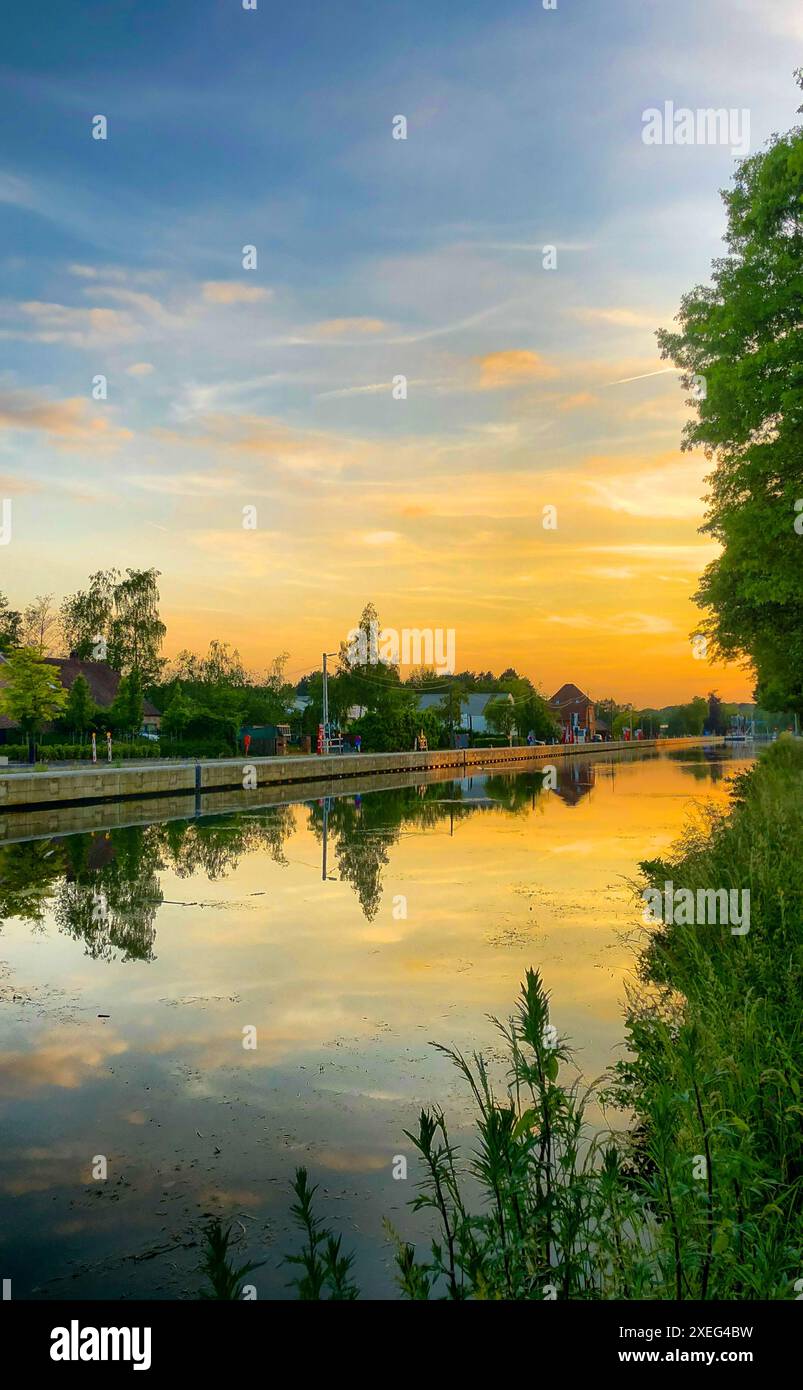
[[32, 694], [178, 713], [533, 713], [80, 710], [500, 714], [125, 713], [738, 347]]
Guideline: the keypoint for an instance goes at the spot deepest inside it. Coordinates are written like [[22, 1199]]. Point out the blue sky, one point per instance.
[[376, 257]]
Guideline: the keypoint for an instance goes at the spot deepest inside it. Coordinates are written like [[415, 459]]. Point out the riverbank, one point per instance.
[[33, 790]]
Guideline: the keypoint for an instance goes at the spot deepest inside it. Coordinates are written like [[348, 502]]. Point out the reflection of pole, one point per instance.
[[325, 825]]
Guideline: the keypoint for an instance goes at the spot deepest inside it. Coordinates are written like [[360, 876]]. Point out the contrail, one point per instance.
[[661, 372]]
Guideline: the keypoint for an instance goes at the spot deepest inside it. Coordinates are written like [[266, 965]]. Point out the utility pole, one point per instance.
[[326, 702]]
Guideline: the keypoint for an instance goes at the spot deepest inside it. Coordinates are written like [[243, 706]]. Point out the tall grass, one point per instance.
[[702, 1196]]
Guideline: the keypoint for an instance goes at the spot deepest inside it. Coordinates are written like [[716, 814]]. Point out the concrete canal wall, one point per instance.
[[50, 789]]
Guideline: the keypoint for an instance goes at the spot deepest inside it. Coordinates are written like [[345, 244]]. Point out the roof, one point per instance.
[[570, 695], [473, 704], [103, 683], [102, 679]]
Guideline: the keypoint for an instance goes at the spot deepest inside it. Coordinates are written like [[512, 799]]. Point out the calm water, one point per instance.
[[132, 960]]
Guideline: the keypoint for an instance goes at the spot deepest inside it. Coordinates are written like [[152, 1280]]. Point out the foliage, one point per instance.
[[10, 624], [125, 712], [389, 730], [80, 711], [32, 693], [225, 1278], [178, 713], [326, 1270], [122, 613], [501, 715], [740, 335]]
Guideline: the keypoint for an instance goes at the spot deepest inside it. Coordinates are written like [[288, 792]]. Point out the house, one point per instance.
[[472, 710], [574, 710], [103, 683]]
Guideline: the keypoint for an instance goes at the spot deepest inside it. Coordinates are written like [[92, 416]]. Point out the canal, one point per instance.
[[207, 1003]]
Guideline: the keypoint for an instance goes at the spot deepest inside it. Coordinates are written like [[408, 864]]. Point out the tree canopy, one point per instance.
[[32, 694], [739, 344]]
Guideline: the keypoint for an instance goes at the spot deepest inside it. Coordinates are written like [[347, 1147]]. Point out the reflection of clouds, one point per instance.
[[352, 1161], [39, 1169], [64, 1062]]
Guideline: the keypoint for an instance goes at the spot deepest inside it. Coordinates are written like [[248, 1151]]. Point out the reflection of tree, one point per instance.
[[703, 764], [362, 829], [216, 844], [111, 893], [106, 888], [516, 791], [28, 872]]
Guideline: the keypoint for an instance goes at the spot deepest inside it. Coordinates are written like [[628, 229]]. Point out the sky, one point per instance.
[[384, 405]]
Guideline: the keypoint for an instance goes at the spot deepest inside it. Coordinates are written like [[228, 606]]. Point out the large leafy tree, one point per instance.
[[740, 338], [86, 616], [136, 631], [119, 615], [31, 694]]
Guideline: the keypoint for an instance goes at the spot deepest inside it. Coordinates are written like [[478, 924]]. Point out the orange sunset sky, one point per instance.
[[532, 377]]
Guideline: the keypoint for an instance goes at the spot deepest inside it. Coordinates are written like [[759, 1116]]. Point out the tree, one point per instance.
[[501, 715], [534, 714], [32, 694], [136, 632], [10, 623], [125, 713], [738, 344], [86, 617], [117, 619], [178, 713], [451, 706], [40, 627], [368, 675], [716, 717], [80, 711]]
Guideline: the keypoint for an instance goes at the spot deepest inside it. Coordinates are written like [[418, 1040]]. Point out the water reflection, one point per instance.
[[105, 889], [131, 959]]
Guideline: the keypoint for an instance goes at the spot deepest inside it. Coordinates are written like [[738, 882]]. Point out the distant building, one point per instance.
[[472, 710], [103, 682], [574, 709]]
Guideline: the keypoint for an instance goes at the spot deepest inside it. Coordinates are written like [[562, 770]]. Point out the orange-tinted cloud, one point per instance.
[[513, 367]]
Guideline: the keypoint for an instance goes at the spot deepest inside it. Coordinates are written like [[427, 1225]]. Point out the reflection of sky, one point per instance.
[[344, 1006]]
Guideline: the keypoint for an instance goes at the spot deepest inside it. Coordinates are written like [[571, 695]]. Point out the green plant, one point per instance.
[[325, 1269], [225, 1279]]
